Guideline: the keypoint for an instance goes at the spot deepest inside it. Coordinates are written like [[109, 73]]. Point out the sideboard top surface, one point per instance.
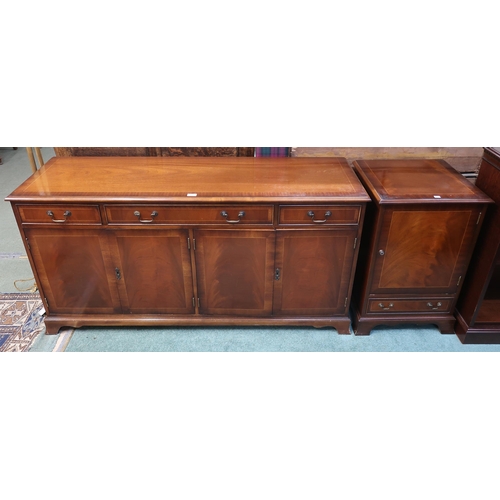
[[418, 181], [200, 179]]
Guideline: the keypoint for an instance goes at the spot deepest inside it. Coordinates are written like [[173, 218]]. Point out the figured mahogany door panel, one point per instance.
[[235, 271], [315, 269], [71, 266], [423, 250], [154, 269]]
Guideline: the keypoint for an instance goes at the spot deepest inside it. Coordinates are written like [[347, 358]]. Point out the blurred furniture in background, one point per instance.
[[1, 158], [478, 308], [130, 151], [32, 152], [273, 152], [463, 160]]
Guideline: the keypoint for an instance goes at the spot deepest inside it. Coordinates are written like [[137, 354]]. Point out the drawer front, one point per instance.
[[388, 305], [319, 215], [158, 214], [60, 214]]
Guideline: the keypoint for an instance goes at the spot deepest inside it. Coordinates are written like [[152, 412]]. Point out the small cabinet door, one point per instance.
[[234, 271], [153, 271], [423, 250], [72, 269], [313, 272]]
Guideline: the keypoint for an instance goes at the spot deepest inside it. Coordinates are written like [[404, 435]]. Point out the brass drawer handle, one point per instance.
[[431, 305], [65, 215], [240, 215], [154, 214], [385, 308], [327, 214]]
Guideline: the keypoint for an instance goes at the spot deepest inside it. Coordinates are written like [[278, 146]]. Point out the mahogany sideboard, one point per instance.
[[420, 233], [478, 307], [192, 241]]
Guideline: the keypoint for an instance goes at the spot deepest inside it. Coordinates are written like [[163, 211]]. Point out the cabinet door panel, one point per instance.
[[423, 250], [235, 271], [155, 268], [315, 272], [72, 270]]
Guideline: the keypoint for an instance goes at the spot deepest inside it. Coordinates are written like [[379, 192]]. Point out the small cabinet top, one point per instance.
[[416, 181], [193, 180]]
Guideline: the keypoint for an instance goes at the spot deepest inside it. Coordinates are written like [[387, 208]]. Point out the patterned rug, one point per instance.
[[20, 322]]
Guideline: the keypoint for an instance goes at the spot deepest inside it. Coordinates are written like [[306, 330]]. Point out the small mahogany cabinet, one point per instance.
[[420, 234], [192, 241], [478, 307]]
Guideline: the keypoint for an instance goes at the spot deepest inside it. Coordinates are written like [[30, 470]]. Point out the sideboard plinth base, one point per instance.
[[54, 323]]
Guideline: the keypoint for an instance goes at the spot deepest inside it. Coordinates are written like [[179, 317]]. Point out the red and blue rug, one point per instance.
[[20, 321]]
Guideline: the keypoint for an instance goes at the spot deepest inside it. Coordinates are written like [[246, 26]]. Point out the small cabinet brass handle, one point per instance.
[[381, 252], [385, 308], [154, 214], [65, 215], [317, 221], [431, 305], [226, 215]]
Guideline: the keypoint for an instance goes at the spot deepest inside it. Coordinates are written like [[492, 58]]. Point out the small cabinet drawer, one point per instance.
[[319, 215], [388, 305], [60, 214], [158, 214]]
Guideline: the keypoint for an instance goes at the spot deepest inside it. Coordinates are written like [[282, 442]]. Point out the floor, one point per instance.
[[15, 274]]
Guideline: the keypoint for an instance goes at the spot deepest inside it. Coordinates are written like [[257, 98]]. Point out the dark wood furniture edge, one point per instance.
[[480, 333], [468, 305]]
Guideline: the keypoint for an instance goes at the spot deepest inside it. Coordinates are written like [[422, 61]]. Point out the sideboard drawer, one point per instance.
[[394, 305], [319, 215], [172, 214], [60, 214]]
